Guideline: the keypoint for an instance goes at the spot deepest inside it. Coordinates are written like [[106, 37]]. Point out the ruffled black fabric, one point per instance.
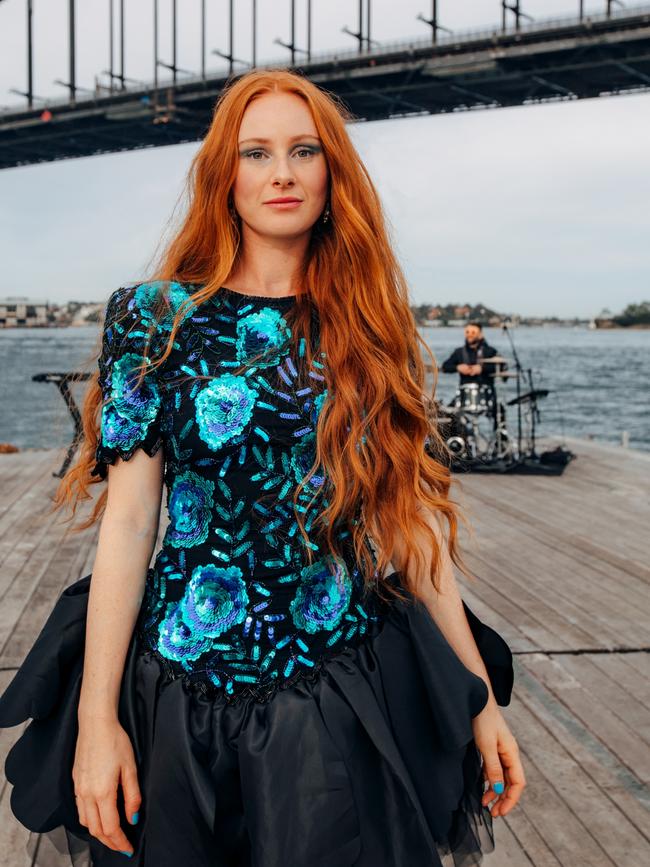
[[372, 762]]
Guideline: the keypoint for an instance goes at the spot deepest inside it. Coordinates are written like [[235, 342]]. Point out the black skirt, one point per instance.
[[371, 762]]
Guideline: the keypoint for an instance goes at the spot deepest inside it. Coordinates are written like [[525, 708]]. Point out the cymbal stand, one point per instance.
[[534, 413], [519, 370]]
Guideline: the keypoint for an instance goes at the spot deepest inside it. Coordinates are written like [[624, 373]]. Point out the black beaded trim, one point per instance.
[[104, 455], [263, 692]]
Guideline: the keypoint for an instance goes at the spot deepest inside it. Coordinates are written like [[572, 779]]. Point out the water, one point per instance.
[[599, 380]]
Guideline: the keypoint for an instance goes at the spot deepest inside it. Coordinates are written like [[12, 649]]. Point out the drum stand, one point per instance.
[[530, 397]]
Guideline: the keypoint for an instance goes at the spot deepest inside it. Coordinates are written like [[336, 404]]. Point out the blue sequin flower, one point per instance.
[[215, 599], [190, 504], [224, 408], [263, 331], [118, 431], [319, 400], [137, 404], [145, 295], [177, 640], [322, 598], [126, 418], [303, 455], [176, 296]]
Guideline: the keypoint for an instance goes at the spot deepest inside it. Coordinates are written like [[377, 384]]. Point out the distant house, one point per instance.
[[19, 311]]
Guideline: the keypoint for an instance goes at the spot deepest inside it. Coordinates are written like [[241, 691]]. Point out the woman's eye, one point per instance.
[[305, 150]]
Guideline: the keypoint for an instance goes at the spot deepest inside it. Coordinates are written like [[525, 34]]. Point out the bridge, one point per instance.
[[519, 62]]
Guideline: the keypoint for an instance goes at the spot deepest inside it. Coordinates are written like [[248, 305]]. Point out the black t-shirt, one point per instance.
[[467, 354]]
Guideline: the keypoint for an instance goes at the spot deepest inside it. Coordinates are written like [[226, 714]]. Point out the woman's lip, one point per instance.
[[293, 203]]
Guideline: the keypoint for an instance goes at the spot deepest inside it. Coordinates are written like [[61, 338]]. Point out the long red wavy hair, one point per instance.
[[377, 443]]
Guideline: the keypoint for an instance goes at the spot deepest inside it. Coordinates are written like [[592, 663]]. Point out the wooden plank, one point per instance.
[[561, 503], [507, 850], [594, 756], [538, 542], [63, 570], [621, 703], [598, 825], [534, 848], [24, 569], [639, 661], [556, 823], [13, 836], [471, 593], [17, 476], [574, 593], [598, 719], [554, 580], [562, 624], [573, 541], [615, 666]]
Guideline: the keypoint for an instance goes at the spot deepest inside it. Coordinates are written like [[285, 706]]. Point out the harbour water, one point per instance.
[[598, 380]]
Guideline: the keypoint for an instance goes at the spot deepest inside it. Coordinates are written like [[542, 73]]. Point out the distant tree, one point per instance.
[[634, 314]]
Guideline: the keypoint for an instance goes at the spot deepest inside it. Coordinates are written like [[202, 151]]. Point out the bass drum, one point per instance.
[[452, 429]]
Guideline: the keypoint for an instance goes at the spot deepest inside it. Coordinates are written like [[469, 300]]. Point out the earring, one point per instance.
[[326, 213]]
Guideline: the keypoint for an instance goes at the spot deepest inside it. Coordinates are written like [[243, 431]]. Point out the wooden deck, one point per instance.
[[563, 575]]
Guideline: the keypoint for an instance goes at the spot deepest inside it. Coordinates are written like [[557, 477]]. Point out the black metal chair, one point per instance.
[[62, 380]]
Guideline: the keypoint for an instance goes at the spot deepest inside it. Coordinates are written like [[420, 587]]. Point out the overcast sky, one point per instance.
[[534, 209]]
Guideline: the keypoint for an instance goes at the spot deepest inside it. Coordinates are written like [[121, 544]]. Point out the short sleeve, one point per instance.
[[131, 415]]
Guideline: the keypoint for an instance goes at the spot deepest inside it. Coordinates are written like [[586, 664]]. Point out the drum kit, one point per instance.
[[474, 425]]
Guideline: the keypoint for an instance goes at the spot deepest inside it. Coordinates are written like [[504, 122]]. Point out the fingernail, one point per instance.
[[498, 787], [124, 852], [135, 817]]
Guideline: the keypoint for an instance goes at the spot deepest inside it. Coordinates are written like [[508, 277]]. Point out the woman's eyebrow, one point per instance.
[[266, 140]]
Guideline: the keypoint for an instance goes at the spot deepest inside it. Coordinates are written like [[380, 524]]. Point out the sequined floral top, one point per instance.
[[231, 603]]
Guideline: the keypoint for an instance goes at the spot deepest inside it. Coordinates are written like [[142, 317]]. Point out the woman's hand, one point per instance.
[[501, 762], [103, 759]]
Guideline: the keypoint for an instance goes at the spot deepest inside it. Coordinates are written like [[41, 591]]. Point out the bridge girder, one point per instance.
[[574, 61]]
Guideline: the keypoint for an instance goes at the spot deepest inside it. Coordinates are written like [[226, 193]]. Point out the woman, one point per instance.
[[296, 680]]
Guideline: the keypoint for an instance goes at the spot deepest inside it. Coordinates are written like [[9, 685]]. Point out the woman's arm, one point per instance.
[[446, 606], [502, 766], [127, 537], [104, 757]]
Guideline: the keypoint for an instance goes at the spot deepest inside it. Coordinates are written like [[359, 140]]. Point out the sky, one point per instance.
[[538, 210]]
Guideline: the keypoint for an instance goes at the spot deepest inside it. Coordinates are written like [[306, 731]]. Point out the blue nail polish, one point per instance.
[[498, 787], [124, 852], [135, 817]]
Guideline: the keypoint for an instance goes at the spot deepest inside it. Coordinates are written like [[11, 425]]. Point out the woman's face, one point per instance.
[[280, 156]]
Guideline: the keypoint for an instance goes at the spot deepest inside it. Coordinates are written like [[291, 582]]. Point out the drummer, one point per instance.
[[466, 360]]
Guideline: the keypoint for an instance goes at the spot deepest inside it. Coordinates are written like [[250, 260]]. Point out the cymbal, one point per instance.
[[496, 359], [504, 374], [530, 396]]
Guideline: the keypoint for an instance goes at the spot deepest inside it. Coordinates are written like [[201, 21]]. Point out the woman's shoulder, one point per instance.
[[150, 299], [139, 317]]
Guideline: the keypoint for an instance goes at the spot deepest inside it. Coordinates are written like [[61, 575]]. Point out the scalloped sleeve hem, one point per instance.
[[105, 455]]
